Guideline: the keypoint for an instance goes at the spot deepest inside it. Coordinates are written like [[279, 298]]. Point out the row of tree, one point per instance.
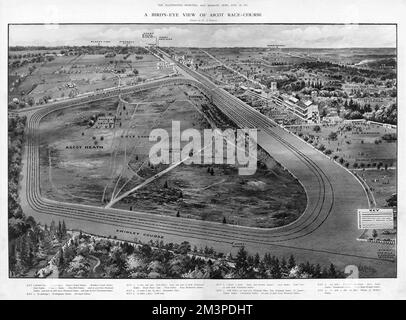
[[159, 260], [353, 74], [21, 62], [17, 220]]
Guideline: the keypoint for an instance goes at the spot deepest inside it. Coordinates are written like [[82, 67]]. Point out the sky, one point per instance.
[[296, 36]]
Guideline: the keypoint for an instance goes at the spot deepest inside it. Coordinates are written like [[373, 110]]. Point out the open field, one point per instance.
[[94, 164], [351, 55], [267, 199], [72, 75], [382, 183], [359, 145]]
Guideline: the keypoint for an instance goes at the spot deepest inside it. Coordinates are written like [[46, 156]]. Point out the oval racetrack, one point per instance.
[[325, 232]]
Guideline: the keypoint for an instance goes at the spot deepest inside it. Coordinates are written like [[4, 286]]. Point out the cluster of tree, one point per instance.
[[326, 89], [159, 260], [17, 221], [110, 54], [28, 242], [392, 201], [352, 105], [333, 136], [279, 63], [390, 137], [337, 76], [281, 83], [332, 93], [19, 63], [348, 71], [314, 65], [106, 49], [45, 99], [210, 170], [332, 85], [295, 86], [34, 245], [14, 105], [356, 79], [32, 48], [28, 55], [315, 84], [73, 51], [384, 114], [139, 50], [355, 110], [247, 266], [311, 139], [377, 165], [358, 93]]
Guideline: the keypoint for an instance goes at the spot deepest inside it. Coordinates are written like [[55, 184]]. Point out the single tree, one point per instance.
[[291, 262], [64, 231], [61, 261], [332, 271], [374, 233]]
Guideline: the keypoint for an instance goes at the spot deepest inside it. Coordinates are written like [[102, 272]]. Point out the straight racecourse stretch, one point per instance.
[[327, 229]]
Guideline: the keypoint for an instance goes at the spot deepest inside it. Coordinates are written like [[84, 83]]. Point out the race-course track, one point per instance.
[[325, 233]]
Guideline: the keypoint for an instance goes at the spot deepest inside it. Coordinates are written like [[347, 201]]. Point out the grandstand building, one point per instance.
[[307, 111]]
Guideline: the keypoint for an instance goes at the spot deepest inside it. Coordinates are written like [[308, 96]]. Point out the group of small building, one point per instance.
[[160, 65], [306, 111], [183, 60], [104, 122]]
